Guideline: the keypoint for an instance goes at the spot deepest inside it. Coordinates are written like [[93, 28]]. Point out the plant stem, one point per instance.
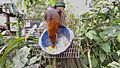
[[90, 65], [54, 63]]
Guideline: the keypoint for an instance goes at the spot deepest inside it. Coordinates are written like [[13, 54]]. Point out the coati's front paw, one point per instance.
[[54, 46]]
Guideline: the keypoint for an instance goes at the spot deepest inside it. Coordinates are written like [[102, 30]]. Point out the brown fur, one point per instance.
[[52, 19]]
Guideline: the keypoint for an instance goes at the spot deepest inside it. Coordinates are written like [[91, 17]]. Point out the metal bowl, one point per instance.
[[63, 41]]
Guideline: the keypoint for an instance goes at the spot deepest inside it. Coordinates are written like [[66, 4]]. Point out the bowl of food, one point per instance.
[[63, 41]]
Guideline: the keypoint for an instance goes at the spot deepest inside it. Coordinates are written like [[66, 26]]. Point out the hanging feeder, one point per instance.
[[63, 41], [60, 4]]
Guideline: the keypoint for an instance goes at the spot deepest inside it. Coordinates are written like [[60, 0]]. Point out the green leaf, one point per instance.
[[49, 66], [102, 57], [118, 38], [112, 31], [114, 64], [118, 52], [116, 20], [115, 56], [94, 62], [9, 48], [34, 59], [1, 39], [106, 62], [106, 47], [8, 63], [20, 58], [51, 2], [103, 36], [91, 34]]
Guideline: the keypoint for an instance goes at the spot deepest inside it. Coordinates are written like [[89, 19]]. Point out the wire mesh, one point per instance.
[[71, 52]]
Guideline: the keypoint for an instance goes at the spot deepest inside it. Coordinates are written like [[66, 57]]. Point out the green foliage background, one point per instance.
[[98, 32]]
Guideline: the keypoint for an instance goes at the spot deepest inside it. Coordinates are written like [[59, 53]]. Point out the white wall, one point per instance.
[[79, 6]]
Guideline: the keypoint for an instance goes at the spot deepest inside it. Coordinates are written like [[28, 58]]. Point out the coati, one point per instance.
[[52, 20]]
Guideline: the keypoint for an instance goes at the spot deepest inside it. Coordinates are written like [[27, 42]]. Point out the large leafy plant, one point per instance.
[[9, 45], [100, 34]]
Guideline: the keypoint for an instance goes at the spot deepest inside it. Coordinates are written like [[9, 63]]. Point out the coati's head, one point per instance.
[[51, 14], [59, 10]]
